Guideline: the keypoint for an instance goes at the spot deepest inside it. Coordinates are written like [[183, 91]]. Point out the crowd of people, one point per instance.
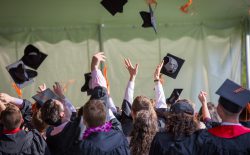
[[141, 126]]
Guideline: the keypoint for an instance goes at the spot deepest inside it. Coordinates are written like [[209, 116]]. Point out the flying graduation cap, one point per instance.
[[174, 96], [114, 6], [44, 96], [20, 74], [33, 57], [85, 87], [148, 18], [172, 65]]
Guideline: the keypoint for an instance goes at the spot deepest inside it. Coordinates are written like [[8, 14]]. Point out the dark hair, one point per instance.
[[144, 130], [141, 103], [37, 121], [11, 117], [229, 106], [181, 124], [50, 112], [94, 113]]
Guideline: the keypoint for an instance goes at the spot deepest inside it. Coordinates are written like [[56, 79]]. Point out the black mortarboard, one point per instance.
[[174, 96], [44, 96], [100, 93], [182, 107], [148, 18], [85, 87], [233, 97], [114, 6], [33, 57], [172, 65], [20, 74]]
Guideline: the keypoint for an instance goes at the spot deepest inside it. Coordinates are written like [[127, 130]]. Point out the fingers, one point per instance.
[[100, 56], [136, 67], [126, 63]]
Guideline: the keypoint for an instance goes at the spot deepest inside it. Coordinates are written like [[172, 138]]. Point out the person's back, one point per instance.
[[14, 141], [101, 137], [180, 125], [230, 137], [209, 143]]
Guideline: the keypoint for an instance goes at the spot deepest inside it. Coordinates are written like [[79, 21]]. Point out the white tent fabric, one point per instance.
[[212, 54]]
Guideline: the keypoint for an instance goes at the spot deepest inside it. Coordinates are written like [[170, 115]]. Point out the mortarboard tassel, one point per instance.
[[185, 7], [105, 74], [151, 2], [66, 85], [18, 90]]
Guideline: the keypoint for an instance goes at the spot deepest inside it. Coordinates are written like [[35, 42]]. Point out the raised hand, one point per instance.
[[96, 59], [158, 70], [131, 69], [5, 98], [58, 89], [41, 88], [203, 97]]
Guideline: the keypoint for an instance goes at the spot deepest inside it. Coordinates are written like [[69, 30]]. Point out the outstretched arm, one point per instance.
[[159, 92], [129, 93], [96, 75], [203, 99]]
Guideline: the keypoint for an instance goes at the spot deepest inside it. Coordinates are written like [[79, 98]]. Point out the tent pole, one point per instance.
[[248, 58], [101, 49]]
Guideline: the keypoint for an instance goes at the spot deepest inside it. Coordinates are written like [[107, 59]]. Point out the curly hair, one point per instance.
[[145, 126], [50, 112], [181, 124], [37, 121]]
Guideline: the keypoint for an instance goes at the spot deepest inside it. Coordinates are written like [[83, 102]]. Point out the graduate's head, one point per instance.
[[11, 117], [141, 103], [144, 129], [227, 109], [180, 119], [37, 121], [52, 112], [94, 113], [233, 98]]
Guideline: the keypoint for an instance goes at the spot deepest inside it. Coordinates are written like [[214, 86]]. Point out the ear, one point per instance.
[[62, 114]]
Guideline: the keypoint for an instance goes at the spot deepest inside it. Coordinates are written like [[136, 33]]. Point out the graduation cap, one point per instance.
[[114, 6], [44, 96], [20, 74], [182, 107], [233, 97], [148, 18], [174, 96], [86, 87], [172, 65], [33, 57]]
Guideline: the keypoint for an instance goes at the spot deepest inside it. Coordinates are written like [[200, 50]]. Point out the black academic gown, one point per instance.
[[222, 140], [105, 143], [246, 124], [23, 143], [126, 119], [165, 144], [65, 141]]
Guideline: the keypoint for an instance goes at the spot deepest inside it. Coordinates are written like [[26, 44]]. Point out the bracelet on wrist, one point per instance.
[[156, 80]]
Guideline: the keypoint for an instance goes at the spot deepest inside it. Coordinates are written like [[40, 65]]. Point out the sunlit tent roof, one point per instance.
[[64, 12]]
